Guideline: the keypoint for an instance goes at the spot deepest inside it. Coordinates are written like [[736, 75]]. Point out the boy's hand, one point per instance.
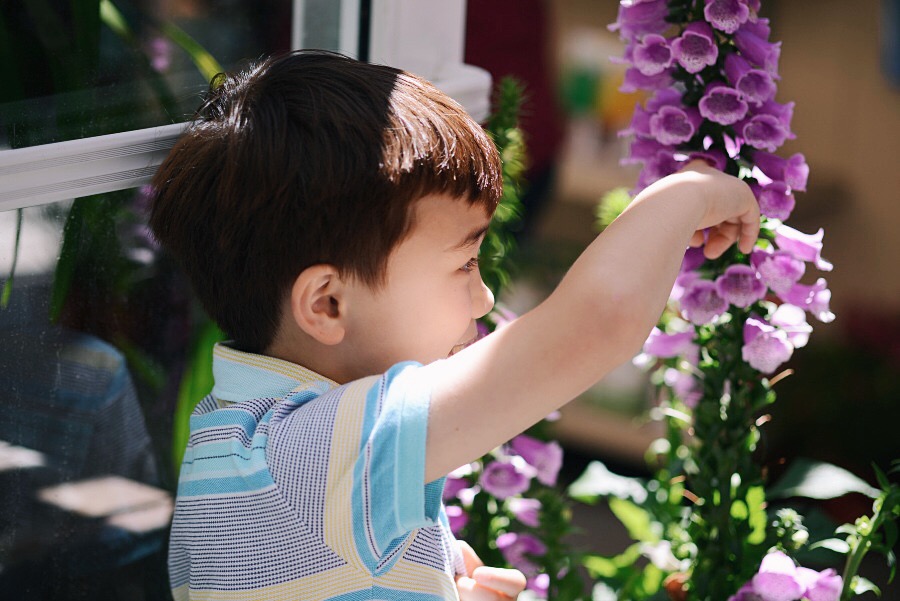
[[487, 584], [732, 213]]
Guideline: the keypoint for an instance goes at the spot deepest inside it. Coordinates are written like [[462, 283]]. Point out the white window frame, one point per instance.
[[422, 36]]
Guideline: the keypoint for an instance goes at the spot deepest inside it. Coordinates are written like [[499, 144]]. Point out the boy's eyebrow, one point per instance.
[[471, 238]]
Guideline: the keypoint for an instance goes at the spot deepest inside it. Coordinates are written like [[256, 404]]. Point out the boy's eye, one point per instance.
[[470, 265]]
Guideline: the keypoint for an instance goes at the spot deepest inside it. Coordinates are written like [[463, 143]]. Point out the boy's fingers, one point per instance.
[[470, 558], [508, 582]]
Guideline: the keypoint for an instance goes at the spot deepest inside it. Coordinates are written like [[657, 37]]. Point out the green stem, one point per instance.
[[7, 286], [854, 559]]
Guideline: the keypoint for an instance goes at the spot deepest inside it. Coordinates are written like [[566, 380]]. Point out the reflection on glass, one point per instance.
[[82, 68]]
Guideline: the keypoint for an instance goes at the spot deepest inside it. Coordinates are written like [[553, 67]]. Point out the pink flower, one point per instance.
[[452, 486], [755, 85], [673, 125], [701, 303], [723, 105], [544, 457], [685, 386], [457, 517], [826, 586], [665, 346], [726, 15], [639, 18], [696, 49], [792, 320], [816, 299], [652, 55], [518, 549], [775, 200], [740, 285], [793, 171], [777, 579], [765, 346], [504, 478], [539, 585], [806, 247], [526, 511], [752, 39], [765, 132], [778, 270]]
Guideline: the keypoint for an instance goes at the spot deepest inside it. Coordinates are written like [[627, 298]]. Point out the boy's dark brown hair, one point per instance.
[[305, 159]]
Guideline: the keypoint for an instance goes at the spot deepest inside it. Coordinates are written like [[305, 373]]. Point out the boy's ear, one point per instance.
[[317, 299]]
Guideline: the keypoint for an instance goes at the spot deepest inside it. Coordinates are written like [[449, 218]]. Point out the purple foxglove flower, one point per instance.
[[765, 348], [640, 123], [764, 132], [775, 200], [696, 49], [825, 586], [700, 303], [783, 112], [685, 386], [635, 81], [544, 457], [778, 270], [777, 579], [740, 285], [539, 585], [657, 167], [693, 258], [457, 517], [792, 320], [745, 593], [640, 17], [755, 85], [516, 549], [721, 104], [752, 40], [652, 55], [673, 125], [664, 97], [815, 299], [713, 157], [684, 281], [526, 511], [793, 171], [452, 486], [666, 346], [726, 15], [504, 479], [807, 247]]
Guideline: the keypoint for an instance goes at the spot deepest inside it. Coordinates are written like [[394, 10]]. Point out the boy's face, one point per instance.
[[433, 291]]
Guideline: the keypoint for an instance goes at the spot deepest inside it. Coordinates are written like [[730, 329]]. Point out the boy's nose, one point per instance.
[[482, 297]]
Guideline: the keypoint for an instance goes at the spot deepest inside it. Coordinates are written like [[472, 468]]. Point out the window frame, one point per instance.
[[423, 36]]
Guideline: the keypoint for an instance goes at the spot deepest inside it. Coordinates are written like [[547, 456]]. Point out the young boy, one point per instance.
[[329, 214]]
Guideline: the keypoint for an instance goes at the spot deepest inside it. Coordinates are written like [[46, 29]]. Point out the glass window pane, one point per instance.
[[80, 68]]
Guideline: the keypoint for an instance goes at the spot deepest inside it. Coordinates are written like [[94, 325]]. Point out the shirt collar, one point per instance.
[[241, 376]]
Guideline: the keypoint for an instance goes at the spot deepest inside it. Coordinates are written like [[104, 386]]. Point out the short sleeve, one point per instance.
[[391, 467]]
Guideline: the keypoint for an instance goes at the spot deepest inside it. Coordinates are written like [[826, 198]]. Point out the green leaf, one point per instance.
[[832, 544], [598, 482], [8, 284], [636, 520], [818, 480], [609, 567], [208, 66]]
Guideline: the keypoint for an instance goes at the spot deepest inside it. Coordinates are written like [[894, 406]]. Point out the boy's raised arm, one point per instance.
[[596, 319]]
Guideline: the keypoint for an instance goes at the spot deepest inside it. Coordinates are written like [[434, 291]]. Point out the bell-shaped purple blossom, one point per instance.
[[740, 285], [777, 579], [793, 171], [685, 386], [640, 17], [696, 49], [652, 55], [779, 270], [806, 247], [518, 549], [665, 346], [765, 346], [815, 298], [792, 320], [775, 200], [635, 81], [672, 125], [755, 85], [723, 105], [713, 157], [452, 486], [545, 457], [505, 478], [752, 40], [527, 511], [764, 132], [823, 586], [656, 167], [457, 517], [701, 303], [726, 15], [539, 585]]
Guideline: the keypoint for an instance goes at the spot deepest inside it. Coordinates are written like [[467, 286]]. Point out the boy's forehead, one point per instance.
[[454, 222]]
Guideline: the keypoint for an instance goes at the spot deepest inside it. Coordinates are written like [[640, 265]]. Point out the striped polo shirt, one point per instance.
[[293, 487]]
